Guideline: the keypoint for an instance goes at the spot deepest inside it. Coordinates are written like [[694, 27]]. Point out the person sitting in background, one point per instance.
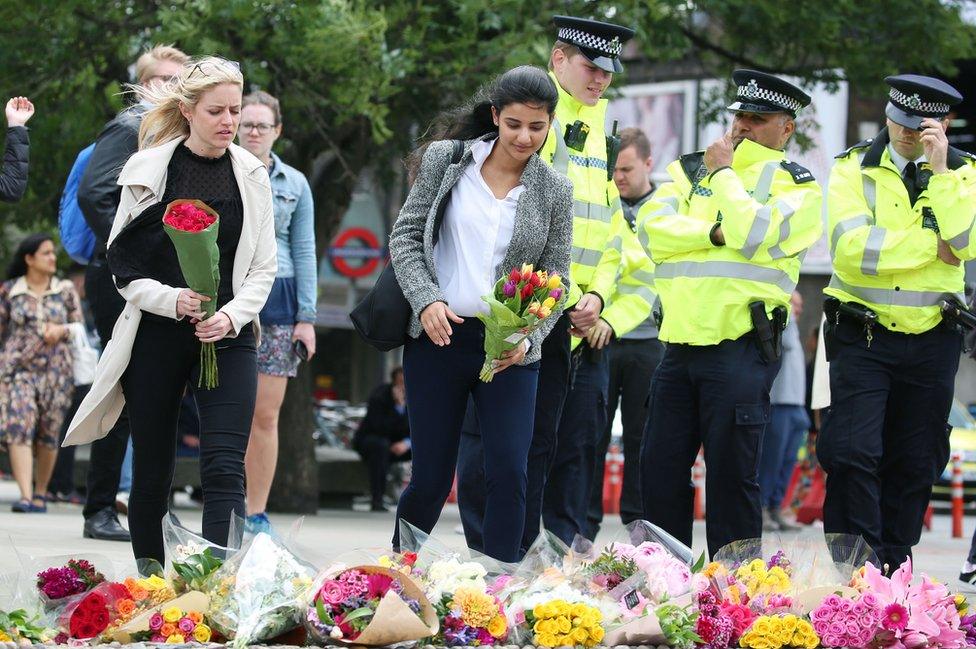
[[16, 155], [383, 436], [36, 365]]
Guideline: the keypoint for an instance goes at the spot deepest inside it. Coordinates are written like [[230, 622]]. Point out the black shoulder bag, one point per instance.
[[382, 318]]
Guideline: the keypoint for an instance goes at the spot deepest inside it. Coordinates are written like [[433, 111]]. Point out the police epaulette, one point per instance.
[[800, 173], [860, 145], [692, 164]]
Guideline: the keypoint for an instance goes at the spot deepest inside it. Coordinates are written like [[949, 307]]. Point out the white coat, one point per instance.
[[143, 181]]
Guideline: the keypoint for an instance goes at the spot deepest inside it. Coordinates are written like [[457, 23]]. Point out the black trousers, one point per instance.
[[375, 452], [715, 396], [165, 356], [885, 439], [439, 382], [107, 453], [554, 371], [63, 477], [632, 365]]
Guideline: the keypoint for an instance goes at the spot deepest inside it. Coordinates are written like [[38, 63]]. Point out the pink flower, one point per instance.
[[911, 640], [158, 639], [870, 599], [332, 592], [895, 617], [156, 622], [377, 585], [741, 616]]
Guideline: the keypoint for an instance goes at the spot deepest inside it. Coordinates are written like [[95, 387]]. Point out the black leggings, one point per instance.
[[165, 356]]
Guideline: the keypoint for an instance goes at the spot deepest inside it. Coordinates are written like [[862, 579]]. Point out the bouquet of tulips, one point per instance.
[[518, 305]]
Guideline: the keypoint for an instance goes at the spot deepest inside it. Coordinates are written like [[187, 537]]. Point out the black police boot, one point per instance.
[[105, 526]]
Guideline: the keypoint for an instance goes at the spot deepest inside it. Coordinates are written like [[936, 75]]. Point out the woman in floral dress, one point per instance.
[[36, 371]]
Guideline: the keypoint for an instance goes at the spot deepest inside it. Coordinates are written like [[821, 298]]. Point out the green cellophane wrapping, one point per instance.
[[199, 261]]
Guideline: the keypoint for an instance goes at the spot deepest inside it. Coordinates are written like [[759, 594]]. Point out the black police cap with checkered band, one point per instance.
[[599, 42], [759, 92], [914, 97]]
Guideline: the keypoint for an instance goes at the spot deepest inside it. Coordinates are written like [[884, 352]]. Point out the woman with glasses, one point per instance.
[[287, 318], [186, 152]]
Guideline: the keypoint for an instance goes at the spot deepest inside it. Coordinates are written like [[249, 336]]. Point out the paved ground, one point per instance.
[[333, 532]]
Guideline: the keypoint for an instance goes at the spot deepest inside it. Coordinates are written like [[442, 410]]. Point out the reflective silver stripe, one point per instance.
[[669, 207], [757, 231], [617, 243], [872, 251], [726, 270], [891, 297], [642, 291], [846, 226], [587, 210], [776, 252], [761, 193], [560, 159], [961, 240], [644, 276], [870, 192], [586, 256], [616, 205]]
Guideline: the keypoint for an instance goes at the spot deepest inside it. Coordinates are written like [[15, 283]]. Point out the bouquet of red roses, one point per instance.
[[91, 615], [192, 227], [518, 305]]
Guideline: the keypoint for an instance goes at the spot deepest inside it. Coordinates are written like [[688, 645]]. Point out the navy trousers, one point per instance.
[[788, 427], [554, 371], [439, 381], [567, 495], [632, 365], [885, 437], [716, 397]]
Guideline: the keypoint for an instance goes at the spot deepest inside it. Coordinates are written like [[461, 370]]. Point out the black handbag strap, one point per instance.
[[456, 154]]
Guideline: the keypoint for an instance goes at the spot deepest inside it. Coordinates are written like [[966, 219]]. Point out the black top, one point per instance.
[[212, 181]]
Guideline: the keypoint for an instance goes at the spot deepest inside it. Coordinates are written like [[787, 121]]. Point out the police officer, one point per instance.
[[583, 61], [634, 355], [901, 209], [726, 236]]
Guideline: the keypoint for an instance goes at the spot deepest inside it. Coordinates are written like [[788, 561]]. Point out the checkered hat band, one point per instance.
[[915, 104], [773, 97], [585, 39]]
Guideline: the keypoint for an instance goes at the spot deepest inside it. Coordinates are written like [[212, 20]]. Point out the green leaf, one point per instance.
[[361, 612], [324, 616], [699, 564]]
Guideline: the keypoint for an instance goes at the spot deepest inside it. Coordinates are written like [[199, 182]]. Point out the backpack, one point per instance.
[[76, 237]]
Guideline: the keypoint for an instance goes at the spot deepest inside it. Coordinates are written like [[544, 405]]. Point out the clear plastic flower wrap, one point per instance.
[[260, 592], [190, 559], [463, 591], [802, 569], [367, 605], [60, 581]]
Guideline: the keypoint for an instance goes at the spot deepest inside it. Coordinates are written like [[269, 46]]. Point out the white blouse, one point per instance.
[[474, 237]]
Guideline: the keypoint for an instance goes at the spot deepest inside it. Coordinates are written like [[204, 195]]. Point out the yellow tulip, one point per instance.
[[544, 312], [549, 302], [555, 281], [527, 268]]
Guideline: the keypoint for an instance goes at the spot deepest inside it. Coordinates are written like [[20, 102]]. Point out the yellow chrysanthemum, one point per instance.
[[498, 627], [477, 608]]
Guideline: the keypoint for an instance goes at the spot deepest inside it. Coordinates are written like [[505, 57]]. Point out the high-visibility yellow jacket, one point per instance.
[[769, 209], [634, 297], [597, 214], [884, 249]]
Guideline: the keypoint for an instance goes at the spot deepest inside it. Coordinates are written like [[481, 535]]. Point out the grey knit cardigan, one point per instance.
[[543, 230]]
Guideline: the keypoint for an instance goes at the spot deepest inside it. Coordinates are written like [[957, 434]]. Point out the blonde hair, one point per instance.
[[147, 61], [568, 49], [165, 122]]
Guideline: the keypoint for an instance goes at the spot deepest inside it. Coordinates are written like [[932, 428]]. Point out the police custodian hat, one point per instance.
[[759, 92], [599, 42], [913, 97]]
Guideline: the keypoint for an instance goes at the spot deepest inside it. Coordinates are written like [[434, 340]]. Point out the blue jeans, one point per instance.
[[439, 381], [788, 425], [125, 478]]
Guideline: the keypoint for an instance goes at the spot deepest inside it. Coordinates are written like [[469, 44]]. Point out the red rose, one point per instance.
[[94, 601], [188, 218], [409, 558], [119, 591], [100, 620]]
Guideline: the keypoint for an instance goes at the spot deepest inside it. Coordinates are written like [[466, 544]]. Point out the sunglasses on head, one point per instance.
[[199, 67]]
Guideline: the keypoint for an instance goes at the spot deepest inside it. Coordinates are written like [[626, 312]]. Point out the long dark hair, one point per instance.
[[526, 84], [29, 246]]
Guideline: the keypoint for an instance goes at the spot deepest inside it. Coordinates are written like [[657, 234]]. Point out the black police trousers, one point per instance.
[[885, 439], [716, 397]]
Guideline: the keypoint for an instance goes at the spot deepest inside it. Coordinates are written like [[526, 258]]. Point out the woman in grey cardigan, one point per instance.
[[503, 207]]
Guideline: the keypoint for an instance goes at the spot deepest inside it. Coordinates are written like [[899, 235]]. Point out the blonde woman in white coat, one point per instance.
[[186, 151]]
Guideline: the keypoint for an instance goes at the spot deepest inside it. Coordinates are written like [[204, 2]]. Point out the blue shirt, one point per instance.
[[295, 235], [790, 386]]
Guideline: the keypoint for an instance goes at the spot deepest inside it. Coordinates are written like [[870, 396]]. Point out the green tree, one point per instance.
[[359, 79]]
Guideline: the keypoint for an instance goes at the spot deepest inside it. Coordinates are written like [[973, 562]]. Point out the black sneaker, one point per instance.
[[968, 577]]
